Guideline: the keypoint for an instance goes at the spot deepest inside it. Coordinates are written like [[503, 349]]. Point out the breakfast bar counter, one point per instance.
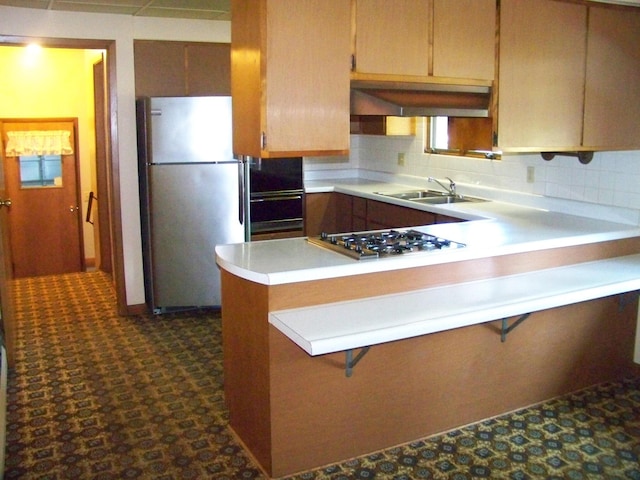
[[295, 409]]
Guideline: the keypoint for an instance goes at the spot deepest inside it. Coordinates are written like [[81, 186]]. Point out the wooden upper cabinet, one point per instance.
[[392, 36], [290, 77], [179, 69], [208, 69], [464, 39], [541, 79], [442, 38], [612, 97], [568, 77], [159, 68]]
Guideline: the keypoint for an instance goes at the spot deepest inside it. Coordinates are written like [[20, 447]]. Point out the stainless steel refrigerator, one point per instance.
[[192, 196]]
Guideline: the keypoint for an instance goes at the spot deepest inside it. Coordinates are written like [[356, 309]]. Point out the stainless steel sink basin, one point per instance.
[[412, 194], [444, 199]]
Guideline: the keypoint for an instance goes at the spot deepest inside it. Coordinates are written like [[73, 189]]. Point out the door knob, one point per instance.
[[5, 203], [73, 208]]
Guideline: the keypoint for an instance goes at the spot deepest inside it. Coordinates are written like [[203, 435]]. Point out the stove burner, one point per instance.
[[381, 244]]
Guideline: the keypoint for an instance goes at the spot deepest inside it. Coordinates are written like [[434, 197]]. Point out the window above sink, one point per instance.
[[460, 136]]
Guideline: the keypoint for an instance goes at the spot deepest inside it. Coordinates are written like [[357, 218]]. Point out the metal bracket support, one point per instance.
[[506, 328], [583, 157], [351, 361]]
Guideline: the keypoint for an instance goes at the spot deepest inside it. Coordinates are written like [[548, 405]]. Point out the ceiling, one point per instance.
[[193, 9]]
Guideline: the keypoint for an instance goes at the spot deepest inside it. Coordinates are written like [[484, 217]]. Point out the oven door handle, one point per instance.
[[275, 199]]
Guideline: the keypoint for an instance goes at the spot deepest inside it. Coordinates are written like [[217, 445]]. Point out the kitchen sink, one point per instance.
[[444, 199], [412, 194], [432, 197]]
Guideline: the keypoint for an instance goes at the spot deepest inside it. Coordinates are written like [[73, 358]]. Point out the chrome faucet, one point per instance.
[[451, 189]]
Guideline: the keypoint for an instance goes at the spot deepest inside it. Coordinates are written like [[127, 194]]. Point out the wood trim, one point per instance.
[[114, 197], [139, 309], [51, 42]]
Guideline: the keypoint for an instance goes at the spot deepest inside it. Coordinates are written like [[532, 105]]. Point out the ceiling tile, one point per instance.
[[192, 9]]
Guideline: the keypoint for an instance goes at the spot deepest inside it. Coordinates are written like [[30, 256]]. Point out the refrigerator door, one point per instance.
[[193, 208], [190, 129]]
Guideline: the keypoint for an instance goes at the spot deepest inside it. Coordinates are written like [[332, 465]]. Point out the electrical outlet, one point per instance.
[[401, 159], [531, 174]]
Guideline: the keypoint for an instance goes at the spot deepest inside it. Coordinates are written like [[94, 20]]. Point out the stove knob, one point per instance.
[[334, 240], [324, 235]]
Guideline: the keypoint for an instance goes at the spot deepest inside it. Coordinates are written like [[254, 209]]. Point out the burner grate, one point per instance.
[[365, 245]]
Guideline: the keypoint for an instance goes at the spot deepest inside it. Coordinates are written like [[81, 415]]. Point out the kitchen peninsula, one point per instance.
[[296, 409]]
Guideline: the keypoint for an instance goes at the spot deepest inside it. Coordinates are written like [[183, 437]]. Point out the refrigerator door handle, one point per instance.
[[244, 192]]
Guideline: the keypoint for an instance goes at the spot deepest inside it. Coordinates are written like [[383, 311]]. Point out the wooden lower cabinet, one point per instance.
[[327, 212], [336, 212], [381, 215], [295, 412], [447, 219]]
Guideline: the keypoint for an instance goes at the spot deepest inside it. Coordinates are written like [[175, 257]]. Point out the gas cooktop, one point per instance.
[[378, 244]]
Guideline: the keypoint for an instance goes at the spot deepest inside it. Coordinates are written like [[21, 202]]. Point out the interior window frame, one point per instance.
[[429, 148]]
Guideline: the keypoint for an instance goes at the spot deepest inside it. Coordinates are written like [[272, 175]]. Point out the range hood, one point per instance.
[[414, 99]]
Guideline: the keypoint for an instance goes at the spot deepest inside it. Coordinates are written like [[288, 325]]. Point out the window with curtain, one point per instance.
[[40, 155]]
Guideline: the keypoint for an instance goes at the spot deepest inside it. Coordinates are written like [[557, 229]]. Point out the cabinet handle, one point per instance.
[[263, 141]]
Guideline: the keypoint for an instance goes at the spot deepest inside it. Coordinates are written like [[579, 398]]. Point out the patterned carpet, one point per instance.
[[97, 396]]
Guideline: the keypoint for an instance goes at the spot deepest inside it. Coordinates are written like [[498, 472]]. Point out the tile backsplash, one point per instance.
[[611, 178]]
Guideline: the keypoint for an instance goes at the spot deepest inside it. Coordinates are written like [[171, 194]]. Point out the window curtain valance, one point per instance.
[[39, 142]]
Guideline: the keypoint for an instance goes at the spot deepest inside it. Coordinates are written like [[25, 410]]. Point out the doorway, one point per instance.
[[106, 98]]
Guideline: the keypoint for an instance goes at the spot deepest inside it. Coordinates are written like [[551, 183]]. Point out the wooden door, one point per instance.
[[44, 220], [7, 308], [103, 225]]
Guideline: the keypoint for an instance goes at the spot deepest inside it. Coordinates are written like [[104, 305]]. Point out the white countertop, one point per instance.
[[493, 228], [347, 325]]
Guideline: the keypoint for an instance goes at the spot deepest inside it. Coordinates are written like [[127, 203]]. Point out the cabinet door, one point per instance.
[[290, 77], [612, 97], [159, 68], [319, 214], [208, 69], [178, 69], [327, 212], [359, 214], [344, 212], [464, 38], [392, 36], [385, 215], [542, 71]]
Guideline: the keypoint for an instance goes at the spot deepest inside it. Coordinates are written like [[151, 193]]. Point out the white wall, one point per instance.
[[123, 30]]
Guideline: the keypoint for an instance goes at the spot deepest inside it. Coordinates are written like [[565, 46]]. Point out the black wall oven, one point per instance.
[[277, 197]]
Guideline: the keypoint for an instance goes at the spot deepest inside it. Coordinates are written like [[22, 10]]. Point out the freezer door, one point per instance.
[[193, 208], [190, 129]]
